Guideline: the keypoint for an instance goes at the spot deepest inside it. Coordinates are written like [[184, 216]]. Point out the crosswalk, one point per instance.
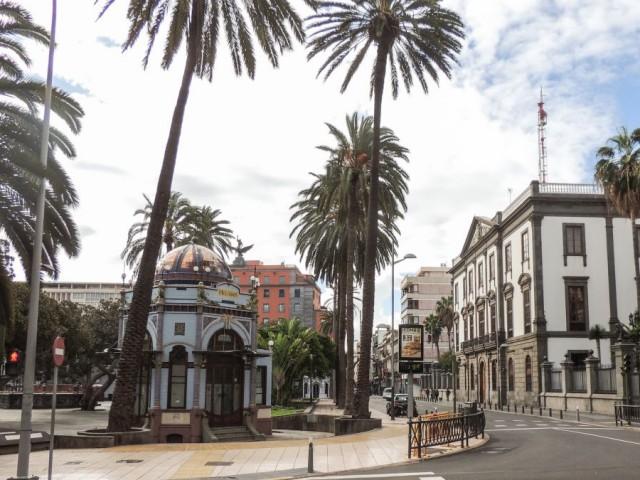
[[530, 424], [384, 476]]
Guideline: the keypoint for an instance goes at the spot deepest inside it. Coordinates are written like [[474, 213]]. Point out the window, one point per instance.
[[525, 246], [526, 305], [296, 293], [511, 375], [466, 331], [265, 322], [509, 317], [527, 374], [457, 337], [464, 287], [296, 307], [177, 378], [574, 244], [480, 275], [507, 258], [494, 375], [492, 267], [266, 293], [481, 323], [261, 386], [577, 305], [492, 313], [471, 327], [266, 280], [265, 308], [281, 293], [281, 279], [472, 380], [455, 294], [281, 307], [470, 282]]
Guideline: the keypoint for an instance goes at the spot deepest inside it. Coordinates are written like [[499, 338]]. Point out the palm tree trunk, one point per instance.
[[361, 405], [341, 376], [121, 413], [349, 290], [635, 259], [438, 348]]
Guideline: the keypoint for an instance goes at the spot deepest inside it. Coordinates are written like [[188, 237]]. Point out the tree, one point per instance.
[[434, 327], [199, 23], [205, 228], [597, 333], [618, 172], [414, 37], [445, 312], [330, 230]]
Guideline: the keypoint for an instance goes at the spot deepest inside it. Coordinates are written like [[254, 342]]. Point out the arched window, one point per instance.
[[527, 374], [511, 374], [494, 375], [472, 380], [225, 340], [471, 336], [466, 331], [177, 378]]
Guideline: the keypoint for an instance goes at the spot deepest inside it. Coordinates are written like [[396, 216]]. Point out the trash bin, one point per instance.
[[469, 407]]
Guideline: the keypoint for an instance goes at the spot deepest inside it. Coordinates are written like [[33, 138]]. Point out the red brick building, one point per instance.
[[284, 292]]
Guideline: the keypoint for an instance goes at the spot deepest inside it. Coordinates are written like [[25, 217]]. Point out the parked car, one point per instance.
[[386, 394]]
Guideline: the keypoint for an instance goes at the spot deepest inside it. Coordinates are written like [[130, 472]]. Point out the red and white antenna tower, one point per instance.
[[542, 147]]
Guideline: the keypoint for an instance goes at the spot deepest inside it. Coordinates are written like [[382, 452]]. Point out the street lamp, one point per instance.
[[393, 359]]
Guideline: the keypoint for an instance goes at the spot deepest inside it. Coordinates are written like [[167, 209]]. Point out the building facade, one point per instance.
[[420, 294], [531, 282], [202, 369], [84, 293], [284, 292]]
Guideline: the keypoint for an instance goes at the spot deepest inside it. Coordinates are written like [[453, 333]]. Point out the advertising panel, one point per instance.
[[411, 342]]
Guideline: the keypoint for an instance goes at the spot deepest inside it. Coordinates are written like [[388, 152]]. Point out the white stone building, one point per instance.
[[529, 284]]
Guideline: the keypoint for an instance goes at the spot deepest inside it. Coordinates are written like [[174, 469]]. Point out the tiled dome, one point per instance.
[[193, 263]]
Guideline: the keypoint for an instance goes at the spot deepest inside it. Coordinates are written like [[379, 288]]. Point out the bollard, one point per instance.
[[508, 407], [310, 462], [522, 408], [550, 413], [531, 412], [578, 413], [540, 411], [560, 414]]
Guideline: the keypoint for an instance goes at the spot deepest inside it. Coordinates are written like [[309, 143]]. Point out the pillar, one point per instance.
[[567, 384], [591, 364], [545, 367]]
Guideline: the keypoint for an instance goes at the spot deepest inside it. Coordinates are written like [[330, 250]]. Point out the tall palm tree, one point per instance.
[[20, 168], [434, 327], [200, 24], [174, 229], [415, 37], [205, 228], [618, 171], [597, 333], [445, 312]]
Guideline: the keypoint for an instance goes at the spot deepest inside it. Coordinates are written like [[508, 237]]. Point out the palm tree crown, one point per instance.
[[418, 38]]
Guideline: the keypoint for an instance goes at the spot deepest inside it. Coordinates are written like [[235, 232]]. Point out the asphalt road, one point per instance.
[[529, 448]]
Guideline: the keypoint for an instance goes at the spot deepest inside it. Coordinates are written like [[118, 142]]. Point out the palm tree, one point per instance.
[[444, 312], [199, 23], [414, 37], [435, 329], [202, 226], [326, 322], [20, 168], [173, 230], [331, 216], [618, 172], [597, 333]]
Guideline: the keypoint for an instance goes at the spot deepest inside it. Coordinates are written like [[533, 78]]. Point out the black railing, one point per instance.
[[627, 413], [441, 429], [483, 342]]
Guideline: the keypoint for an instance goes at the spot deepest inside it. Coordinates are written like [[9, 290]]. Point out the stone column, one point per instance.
[[591, 364], [545, 367], [567, 368], [623, 388], [197, 360], [158, 359]]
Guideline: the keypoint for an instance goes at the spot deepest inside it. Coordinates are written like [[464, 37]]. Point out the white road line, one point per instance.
[[432, 478], [599, 436], [517, 429], [376, 475]]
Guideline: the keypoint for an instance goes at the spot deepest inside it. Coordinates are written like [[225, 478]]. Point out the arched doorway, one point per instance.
[[225, 379], [481, 382], [316, 390]]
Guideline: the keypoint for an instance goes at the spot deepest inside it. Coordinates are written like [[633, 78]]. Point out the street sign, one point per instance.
[[411, 367], [58, 351]]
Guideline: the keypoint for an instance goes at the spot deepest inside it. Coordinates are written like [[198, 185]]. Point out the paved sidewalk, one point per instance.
[[244, 461]]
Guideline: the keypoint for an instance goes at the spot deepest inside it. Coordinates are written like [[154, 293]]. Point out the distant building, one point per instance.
[[285, 292], [420, 294], [84, 293]]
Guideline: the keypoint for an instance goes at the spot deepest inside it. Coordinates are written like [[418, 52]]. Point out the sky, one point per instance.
[[247, 147]]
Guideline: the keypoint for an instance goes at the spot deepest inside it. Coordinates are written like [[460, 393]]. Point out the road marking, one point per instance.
[[599, 436], [377, 475], [522, 425], [432, 478]]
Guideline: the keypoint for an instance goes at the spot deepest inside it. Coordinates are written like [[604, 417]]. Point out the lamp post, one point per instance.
[[393, 359], [255, 283]]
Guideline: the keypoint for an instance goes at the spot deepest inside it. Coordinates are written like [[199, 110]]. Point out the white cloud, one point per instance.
[[247, 146]]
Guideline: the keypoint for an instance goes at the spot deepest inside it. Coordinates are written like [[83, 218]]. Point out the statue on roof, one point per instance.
[[240, 249]]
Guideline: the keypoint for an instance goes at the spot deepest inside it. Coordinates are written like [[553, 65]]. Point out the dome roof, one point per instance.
[[193, 263]]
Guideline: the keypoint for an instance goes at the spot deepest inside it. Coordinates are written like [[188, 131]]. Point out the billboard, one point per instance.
[[411, 342]]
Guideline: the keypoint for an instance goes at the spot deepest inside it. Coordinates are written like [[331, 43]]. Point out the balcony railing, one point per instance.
[[485, 342]]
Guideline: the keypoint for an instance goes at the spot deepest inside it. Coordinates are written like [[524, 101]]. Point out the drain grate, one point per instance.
[[129, 460], [74, 462], [218, 463]]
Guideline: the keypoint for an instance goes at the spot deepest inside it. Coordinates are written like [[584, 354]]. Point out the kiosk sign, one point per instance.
[[411, 342]]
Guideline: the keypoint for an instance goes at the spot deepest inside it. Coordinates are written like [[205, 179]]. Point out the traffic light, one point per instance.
[[626, 363], [14, 363]]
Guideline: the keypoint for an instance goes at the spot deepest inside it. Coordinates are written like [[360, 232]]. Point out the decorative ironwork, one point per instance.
[[626, 413], [484, 342], [440, 429]]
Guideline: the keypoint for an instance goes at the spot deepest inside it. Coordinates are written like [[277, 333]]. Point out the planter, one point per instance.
[[135, 436]]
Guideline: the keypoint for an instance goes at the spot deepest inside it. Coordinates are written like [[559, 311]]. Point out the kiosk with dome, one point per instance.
[[203, 377]]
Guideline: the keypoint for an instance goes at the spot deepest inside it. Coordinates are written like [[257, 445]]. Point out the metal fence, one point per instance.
[[627, 413], [555, 381], [429, 432], [578, 380], [635, 384], [606, 380]]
